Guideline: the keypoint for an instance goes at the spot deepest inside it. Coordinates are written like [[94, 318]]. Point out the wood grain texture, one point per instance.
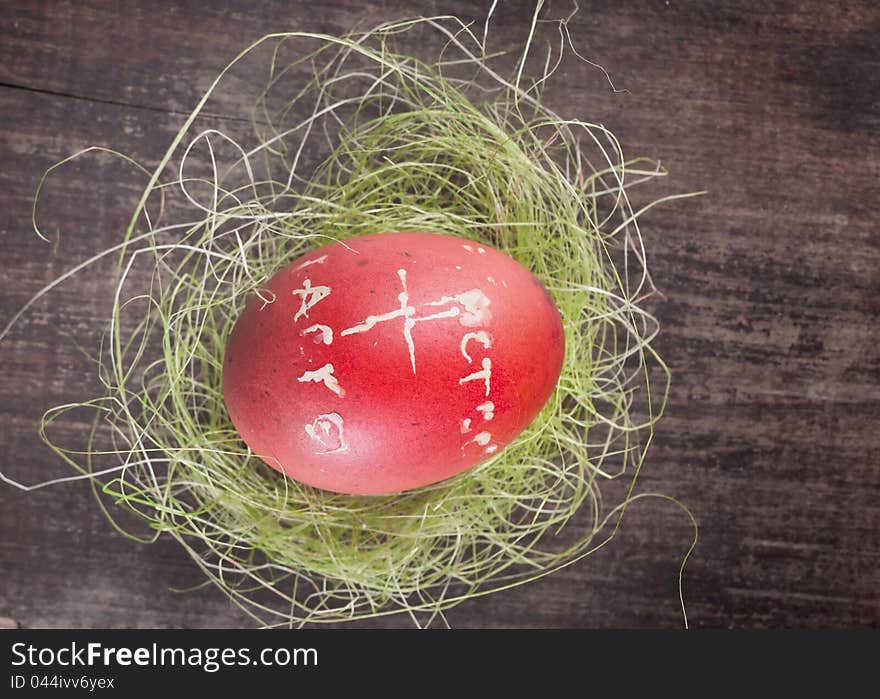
[[770, 317]]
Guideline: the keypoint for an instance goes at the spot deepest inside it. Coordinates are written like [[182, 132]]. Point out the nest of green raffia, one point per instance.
[[449, 146]]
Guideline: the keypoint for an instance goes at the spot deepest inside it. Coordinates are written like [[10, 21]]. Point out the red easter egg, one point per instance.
[[391, 361]]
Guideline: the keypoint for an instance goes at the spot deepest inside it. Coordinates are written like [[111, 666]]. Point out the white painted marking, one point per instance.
[[457, 266], [410, 323], [328, 431], [480, 336], [324, 375], [482, 251], [482, 438], [317, 261], [450, 313], [326, 333], [309, 296], [475, 303], [405, 311], [487, 409], [465, 425], [485, 375], [492, 281], [469, 248], [492, 448], [504, 283], [371, 321]]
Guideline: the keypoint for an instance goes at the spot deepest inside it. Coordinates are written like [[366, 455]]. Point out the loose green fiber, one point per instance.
[[448, 146]]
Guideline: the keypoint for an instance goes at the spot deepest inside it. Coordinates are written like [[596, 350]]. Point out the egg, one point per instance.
[[391, 361]]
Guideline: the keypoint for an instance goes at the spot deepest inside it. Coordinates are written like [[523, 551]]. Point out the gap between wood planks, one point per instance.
[[98, 100]]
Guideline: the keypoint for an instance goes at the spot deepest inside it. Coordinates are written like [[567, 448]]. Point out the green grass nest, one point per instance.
[[449, 146]]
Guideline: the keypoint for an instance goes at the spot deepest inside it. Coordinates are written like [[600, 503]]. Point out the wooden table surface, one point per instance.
[[769, 320]]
